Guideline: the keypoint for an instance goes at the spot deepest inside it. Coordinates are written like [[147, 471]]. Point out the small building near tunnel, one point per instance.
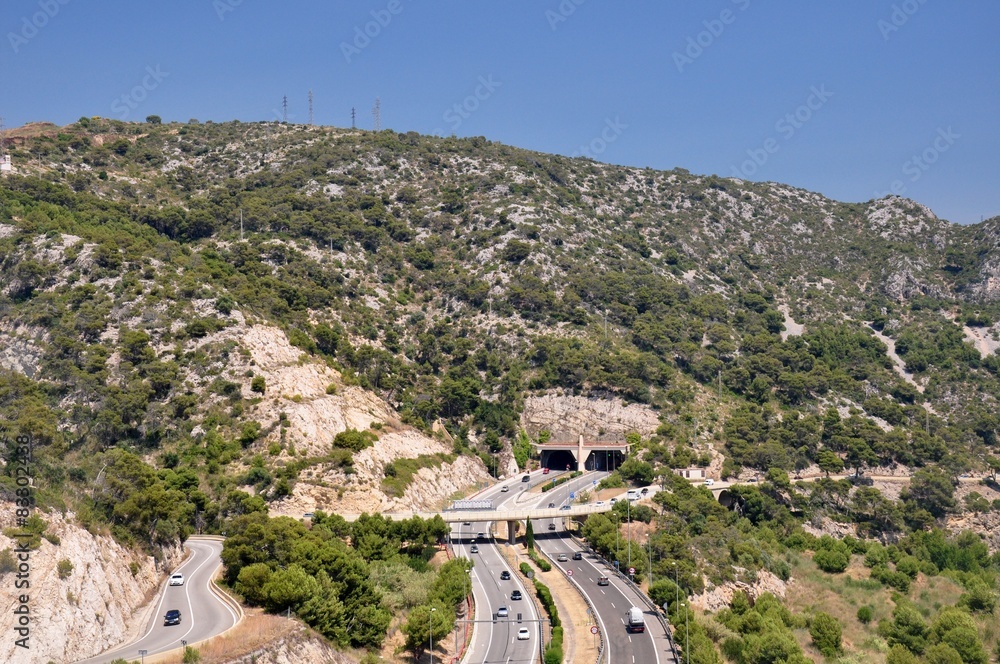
[[582, 455]]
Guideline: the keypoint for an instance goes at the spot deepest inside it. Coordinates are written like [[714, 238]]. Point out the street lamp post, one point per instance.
[[628, 510], [430, 633], [649, 550], [677, 591], [687, 635]]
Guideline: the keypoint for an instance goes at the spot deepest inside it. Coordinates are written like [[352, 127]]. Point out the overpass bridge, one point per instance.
[[511, 516]]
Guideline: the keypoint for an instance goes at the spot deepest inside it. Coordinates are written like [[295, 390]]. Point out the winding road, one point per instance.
[[203, 613]]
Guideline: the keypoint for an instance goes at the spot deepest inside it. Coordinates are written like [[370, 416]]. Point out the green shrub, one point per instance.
[[258, 384], [64, 567], [865, 615], [831, 561], [825, 632]]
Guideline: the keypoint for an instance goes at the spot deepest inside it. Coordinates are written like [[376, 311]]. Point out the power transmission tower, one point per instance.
[[353, 117], [310, 107], [284, 109], [377, 113]]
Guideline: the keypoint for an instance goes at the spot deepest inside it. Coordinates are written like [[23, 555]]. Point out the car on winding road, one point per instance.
[[173, 617], [177, 579], [523, 634]]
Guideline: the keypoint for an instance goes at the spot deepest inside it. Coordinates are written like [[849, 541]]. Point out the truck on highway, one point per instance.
[[634, 622]]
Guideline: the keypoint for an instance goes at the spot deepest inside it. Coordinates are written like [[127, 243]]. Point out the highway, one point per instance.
[[611, 601], [496, 642], [203, 614]]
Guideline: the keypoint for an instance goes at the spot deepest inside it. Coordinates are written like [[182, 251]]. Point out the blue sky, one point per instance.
[[852, 99]]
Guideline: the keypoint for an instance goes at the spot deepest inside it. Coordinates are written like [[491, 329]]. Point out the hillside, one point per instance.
[[203, 321]]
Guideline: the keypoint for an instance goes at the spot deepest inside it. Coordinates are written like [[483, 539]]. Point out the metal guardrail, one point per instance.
[[650, 604], [593, 611]]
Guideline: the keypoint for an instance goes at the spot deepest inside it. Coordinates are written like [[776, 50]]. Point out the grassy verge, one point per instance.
[[399, 473]]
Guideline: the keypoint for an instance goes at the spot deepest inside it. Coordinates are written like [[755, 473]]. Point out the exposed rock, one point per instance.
[[89, 611], [567, 417], [719, 597], [294, 649], [19, 350]]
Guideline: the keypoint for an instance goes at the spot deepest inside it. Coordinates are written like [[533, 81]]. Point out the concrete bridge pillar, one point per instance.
[[579, 454], [512, 532]]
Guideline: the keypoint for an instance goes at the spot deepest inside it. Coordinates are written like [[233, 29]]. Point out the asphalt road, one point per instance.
[[611, 601], [496, 642], [203, 614]]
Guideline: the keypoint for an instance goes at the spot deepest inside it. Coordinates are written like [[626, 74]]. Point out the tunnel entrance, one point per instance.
[[559, 460]]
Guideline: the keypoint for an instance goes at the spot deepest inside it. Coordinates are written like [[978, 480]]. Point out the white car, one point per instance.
[[502, 612], [177, 579], [709, 482], [504, 489], [523, 634]]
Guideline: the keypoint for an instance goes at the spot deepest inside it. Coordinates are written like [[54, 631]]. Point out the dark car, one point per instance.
[[552, 504], [578, 555], [505, 575], [173, 617], [515, 594], [526, 478], [552, 526]]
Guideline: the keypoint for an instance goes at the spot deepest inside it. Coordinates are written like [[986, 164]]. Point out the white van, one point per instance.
[[709, 482], [633, 494]]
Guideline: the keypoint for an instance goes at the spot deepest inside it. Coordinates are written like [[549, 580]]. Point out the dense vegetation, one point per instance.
[[453, 278]]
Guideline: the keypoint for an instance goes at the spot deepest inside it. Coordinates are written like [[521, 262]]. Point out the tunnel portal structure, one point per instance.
[[582, 455]]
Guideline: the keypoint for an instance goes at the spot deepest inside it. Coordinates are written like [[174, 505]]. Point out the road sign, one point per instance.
[[553, 480], [593, 629], [572, 495], [631, 571], [569, 572], [595, 482]]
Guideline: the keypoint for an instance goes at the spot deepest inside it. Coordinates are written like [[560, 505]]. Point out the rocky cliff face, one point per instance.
[[568, 417], [88, 611]]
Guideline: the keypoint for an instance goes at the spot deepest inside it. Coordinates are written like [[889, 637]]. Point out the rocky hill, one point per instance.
[[201, 321]]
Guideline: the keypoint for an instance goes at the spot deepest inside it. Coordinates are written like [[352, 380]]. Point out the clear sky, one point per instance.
[[853, 98]]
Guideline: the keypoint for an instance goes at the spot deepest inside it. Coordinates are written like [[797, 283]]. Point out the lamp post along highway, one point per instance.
[[677, 588], [687, 635], [430, 633], [628, 509]]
